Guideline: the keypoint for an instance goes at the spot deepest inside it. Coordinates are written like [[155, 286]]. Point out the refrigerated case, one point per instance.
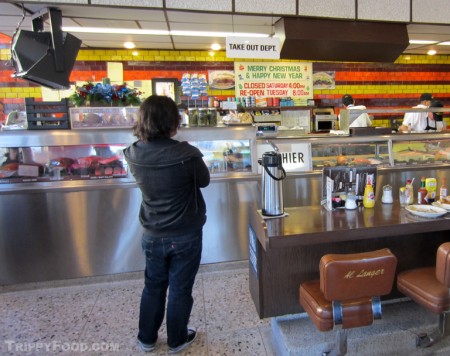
[[69, 206], [61, 221]]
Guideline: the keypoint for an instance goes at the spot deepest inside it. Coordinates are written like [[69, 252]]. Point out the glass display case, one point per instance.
[[103, 117], [56, 163], [350, 154], [421, 152], [226, 156]]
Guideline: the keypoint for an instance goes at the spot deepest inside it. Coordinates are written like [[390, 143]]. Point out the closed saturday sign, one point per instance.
[[274, 79]]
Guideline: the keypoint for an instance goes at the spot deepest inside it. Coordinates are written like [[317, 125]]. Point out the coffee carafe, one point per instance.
[[272, 182]]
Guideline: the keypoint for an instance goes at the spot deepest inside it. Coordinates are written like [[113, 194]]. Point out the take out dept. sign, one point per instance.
[[262, 48], [274, 79]]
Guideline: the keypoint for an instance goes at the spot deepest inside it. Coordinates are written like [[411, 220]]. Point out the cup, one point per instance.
[[403, 197]]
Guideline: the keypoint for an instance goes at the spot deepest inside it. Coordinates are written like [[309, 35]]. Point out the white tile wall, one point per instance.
[[143, 3], [327, 8], [205, 5], [435, 11], [62, 1], [285, 7], [384, 10]]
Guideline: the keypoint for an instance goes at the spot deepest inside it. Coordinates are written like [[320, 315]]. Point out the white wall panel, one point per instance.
[[140, 3], [210, 5], [61, 1], [327, 8], [384, 10], [287, 7], [435, 11]]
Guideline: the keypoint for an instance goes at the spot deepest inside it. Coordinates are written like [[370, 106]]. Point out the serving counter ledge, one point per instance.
[[310, 225], [286, 251]]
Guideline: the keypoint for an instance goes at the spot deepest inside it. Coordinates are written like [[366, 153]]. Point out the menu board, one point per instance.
[[274, 79]]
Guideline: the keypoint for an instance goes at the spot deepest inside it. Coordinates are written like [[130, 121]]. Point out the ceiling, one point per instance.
[[160, 19]]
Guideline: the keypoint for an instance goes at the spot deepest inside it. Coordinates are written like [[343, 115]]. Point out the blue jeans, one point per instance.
[[170, 262]]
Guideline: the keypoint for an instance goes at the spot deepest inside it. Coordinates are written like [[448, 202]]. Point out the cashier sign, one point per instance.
[[296, 157]]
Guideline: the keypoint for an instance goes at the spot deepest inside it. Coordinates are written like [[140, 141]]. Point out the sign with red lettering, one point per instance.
[[274, 79]]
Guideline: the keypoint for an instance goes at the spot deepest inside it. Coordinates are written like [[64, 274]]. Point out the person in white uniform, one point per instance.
[[435, 120], [417, 121], [355, 119]]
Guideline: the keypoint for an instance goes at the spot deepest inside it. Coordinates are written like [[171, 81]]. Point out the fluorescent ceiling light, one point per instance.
[[126, 31], [421, 42], [443, 44], [129, 31], [216, 34]]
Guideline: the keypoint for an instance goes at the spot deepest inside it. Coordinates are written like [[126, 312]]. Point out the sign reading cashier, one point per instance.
[[296, 157], [260, 47]]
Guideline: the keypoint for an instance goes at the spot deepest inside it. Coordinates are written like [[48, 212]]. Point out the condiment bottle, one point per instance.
[[443, 190], [422, 193], [430, 185], [369, 195], [409, 192]]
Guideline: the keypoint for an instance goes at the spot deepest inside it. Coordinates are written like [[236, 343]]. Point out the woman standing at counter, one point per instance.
[[169, 174]]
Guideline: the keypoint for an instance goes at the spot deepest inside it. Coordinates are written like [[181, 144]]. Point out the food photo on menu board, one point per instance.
[[221, 79], [324, 80]]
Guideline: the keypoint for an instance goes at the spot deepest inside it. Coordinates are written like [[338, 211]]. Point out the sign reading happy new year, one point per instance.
[[274, 79]]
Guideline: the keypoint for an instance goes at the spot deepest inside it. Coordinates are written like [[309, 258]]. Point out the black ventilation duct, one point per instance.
[[340, 40], [45, 58]]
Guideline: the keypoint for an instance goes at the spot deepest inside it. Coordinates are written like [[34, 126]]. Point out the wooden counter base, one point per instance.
[[286, 251]]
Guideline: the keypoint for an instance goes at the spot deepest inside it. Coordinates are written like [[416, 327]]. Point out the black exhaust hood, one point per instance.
[[340, 40], [45, 58]]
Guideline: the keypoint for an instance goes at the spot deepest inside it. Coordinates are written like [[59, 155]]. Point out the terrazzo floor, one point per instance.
[[98, 316]]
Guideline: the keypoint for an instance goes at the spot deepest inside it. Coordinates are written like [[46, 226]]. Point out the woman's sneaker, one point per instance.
[[192, 334], [146, 347]]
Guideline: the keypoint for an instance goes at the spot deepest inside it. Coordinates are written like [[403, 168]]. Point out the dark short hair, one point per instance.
[[437, 116], [426, 97], [347, 100], [158, 117]]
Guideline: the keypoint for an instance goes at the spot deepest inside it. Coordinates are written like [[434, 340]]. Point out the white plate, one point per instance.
[[426, 211], [441, 205]]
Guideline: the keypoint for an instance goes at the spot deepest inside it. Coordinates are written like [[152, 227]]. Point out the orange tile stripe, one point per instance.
[[391, 76]]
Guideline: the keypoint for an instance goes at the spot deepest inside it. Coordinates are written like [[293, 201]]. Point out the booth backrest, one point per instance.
[[443, 264], [358, 275]]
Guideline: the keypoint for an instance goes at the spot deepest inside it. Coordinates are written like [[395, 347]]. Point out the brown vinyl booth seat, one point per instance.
[[348, 292], [428, 287]]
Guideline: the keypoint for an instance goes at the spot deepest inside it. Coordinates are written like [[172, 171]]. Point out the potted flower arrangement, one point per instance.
[[90, 94]]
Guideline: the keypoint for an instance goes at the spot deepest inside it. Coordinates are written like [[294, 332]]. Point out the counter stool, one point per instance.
[[428, 287], [348, 292]]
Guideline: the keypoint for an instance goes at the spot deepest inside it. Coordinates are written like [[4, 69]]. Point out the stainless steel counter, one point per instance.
[[70, 229]]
